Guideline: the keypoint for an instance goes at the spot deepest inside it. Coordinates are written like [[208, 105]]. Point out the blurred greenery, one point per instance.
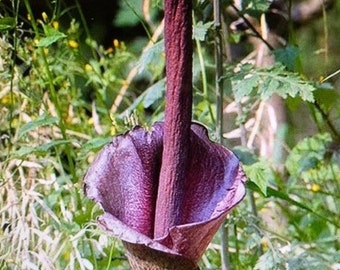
[[65, 91]]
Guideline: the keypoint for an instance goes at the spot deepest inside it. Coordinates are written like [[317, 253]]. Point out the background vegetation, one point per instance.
[[67, 85]]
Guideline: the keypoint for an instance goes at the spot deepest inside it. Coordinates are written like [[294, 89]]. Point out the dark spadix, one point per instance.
[[124, 179]]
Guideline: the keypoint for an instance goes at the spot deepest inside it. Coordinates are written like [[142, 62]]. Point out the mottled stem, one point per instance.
[[144, 258], [178, 51]]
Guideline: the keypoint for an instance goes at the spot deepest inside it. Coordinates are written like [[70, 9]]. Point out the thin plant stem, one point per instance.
[[140, 18], [326, 36], [237, 248], [82, 18], [219, 71], [12, 71], [250, 193], [204, 74], [201, 61], [224, 234], [53, 93], [326, 119], [248, 23], [219, 117], [253, 210], [330, 76], [110, 258], [87, 31]]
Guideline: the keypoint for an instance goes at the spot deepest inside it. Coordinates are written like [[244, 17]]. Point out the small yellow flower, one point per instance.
[[315, 188], [90, 121], [66, 255], [124, 83], [15, 122], [122, 46], [88, 68], [44, 16], [66, 84], [36, 41], [5, 99], [113, 131], [264, 243], [73, 44], [109, 50], [29, 17], [90, 158], [116, 43], [55, 25]]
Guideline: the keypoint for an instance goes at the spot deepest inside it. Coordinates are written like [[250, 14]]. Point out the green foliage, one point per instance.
[[308, 154], [152, 96], [129, 14], [42, 120], [260, 174], [7, 23], [152, 60], [249, 81], [287, 56], [327, 96], [52, 35], [200, 30], [254, 7], [272, 259]]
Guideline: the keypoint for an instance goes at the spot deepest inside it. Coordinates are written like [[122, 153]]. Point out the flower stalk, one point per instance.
[[178, 52]]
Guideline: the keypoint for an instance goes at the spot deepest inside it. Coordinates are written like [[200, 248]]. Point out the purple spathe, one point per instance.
[[124, 179]]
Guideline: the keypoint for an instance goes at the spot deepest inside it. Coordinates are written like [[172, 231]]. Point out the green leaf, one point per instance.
[[204, 111], [255, 7], [244, 82], [128, 14], [245, 155], [153, 57], [266, 82], [260, 174], [307, 154], [326, 96], [284, 83], [154, 93], [268, 87], [272, 192], [23, 151], [287, 56], [43, 120], [52, 36], [95, 144], [47, 146], [7, 23], [270, 260], [200, 30], [44, 148]]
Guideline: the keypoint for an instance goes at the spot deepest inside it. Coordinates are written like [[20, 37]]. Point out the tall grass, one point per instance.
[[45, 221]]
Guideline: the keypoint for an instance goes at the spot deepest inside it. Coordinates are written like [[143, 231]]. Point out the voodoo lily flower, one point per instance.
[[166, 190], [124, 179]]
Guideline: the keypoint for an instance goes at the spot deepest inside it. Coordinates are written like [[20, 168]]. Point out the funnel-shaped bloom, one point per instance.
[[124, 179]]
